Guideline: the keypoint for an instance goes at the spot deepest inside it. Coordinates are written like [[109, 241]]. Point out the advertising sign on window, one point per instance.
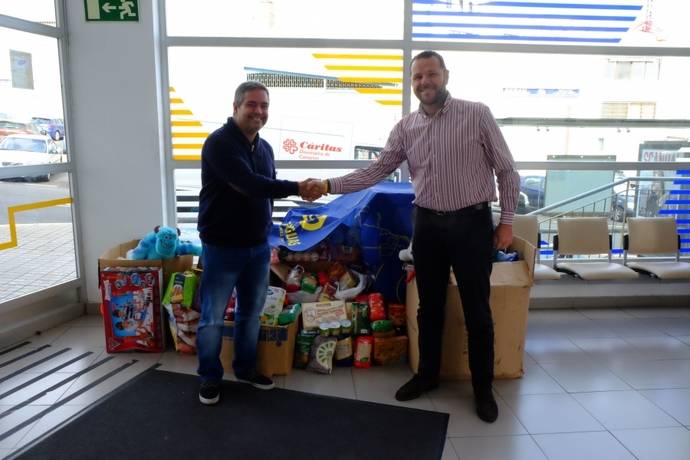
[[22, 70]]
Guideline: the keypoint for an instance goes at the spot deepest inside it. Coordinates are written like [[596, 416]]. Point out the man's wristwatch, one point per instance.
[[326, 186]]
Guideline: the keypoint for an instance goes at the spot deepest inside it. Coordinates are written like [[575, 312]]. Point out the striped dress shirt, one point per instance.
[[452, 157]]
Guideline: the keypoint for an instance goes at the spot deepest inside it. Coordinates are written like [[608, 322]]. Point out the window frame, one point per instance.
[[407, 45]]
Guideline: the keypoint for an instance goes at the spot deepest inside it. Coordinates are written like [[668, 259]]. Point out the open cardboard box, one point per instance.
[[510, 287], [116, 257]]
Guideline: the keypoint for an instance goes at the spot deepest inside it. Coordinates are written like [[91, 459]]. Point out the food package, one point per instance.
[[309, 283], [398, 314], [303, 296], [349, 291], [289, 314], [343, 351], [303, 344], [377, 309], [321, 355], [229, 308], [336, 271], [382, 325], [294, 279], [360, 319], [363, 351], [275, 299], [131, 308], [315, 313], [184, 323], [181, 289], [182, 319]]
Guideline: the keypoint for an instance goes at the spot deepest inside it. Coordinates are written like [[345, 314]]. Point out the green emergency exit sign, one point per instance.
[[111, 10]]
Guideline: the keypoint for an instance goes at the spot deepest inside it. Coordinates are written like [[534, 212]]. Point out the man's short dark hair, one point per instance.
[[245, 87], [427, 55]]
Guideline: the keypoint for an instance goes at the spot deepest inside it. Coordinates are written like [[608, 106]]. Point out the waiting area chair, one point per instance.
[[587, 236], [527, 228], [655, 236]]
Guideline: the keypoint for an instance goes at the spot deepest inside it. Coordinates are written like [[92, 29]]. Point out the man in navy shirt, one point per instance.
[[238, 184]]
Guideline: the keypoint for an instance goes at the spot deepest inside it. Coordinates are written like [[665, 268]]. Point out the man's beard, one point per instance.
[[440, 97]]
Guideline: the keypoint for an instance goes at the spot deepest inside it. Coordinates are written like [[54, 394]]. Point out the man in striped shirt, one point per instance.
[[453, 148]]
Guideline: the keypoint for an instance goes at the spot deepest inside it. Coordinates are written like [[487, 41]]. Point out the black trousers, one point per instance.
[[463, 240]]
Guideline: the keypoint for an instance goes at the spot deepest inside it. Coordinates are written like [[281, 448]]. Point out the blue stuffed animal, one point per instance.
[[163, 243]]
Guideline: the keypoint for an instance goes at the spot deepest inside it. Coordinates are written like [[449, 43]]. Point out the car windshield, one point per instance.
[[30, 145]]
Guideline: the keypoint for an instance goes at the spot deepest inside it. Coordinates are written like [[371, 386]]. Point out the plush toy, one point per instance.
[[163, 243]]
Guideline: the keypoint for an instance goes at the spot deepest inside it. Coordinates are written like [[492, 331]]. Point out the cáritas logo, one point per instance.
[[290, 146]]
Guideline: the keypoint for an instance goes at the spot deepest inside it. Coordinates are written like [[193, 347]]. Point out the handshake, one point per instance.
[[312, 189]]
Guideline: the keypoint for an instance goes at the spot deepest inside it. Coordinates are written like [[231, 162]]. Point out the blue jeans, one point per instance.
[[224, 269]]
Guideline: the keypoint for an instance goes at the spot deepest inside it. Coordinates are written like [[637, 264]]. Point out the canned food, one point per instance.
[[346, 327], [325, 329], [334, 328]]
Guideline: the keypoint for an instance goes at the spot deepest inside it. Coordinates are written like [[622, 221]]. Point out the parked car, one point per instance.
[[533, 188], [29, 149], [8, 127], [623, 207], [53, 127], [523, 205]]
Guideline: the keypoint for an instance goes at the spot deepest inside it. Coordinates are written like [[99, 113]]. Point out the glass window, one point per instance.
[[570, 86], [188, 186], [635, 194], [542, 143], [356, 19], [562, 85], [323, 102], [634, 68], [616, 22], [41, 11], [31, 128], [37, 247]]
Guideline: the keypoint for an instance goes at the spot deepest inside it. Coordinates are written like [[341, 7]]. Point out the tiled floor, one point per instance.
[[599, 384]]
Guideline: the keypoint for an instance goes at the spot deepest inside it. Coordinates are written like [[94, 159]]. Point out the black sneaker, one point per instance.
[[415, 387], [257, 381], [485, 406], [209, 392]]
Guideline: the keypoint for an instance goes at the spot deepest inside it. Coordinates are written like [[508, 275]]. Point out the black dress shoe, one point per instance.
[[486, 407], [415, 387]]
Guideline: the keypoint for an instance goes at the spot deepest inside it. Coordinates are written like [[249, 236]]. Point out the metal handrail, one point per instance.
[[601, 189]]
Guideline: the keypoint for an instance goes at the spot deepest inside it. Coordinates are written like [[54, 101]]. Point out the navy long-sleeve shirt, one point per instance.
[[238, 184]]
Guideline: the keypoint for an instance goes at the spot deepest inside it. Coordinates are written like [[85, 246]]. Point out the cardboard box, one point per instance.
[[275, 352], [510, 287], [116, 257], [389, 350]]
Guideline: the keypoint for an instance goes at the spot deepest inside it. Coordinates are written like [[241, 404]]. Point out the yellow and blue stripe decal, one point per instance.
[[537, 21], [187, 131], [12, 210], [380, 74]]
